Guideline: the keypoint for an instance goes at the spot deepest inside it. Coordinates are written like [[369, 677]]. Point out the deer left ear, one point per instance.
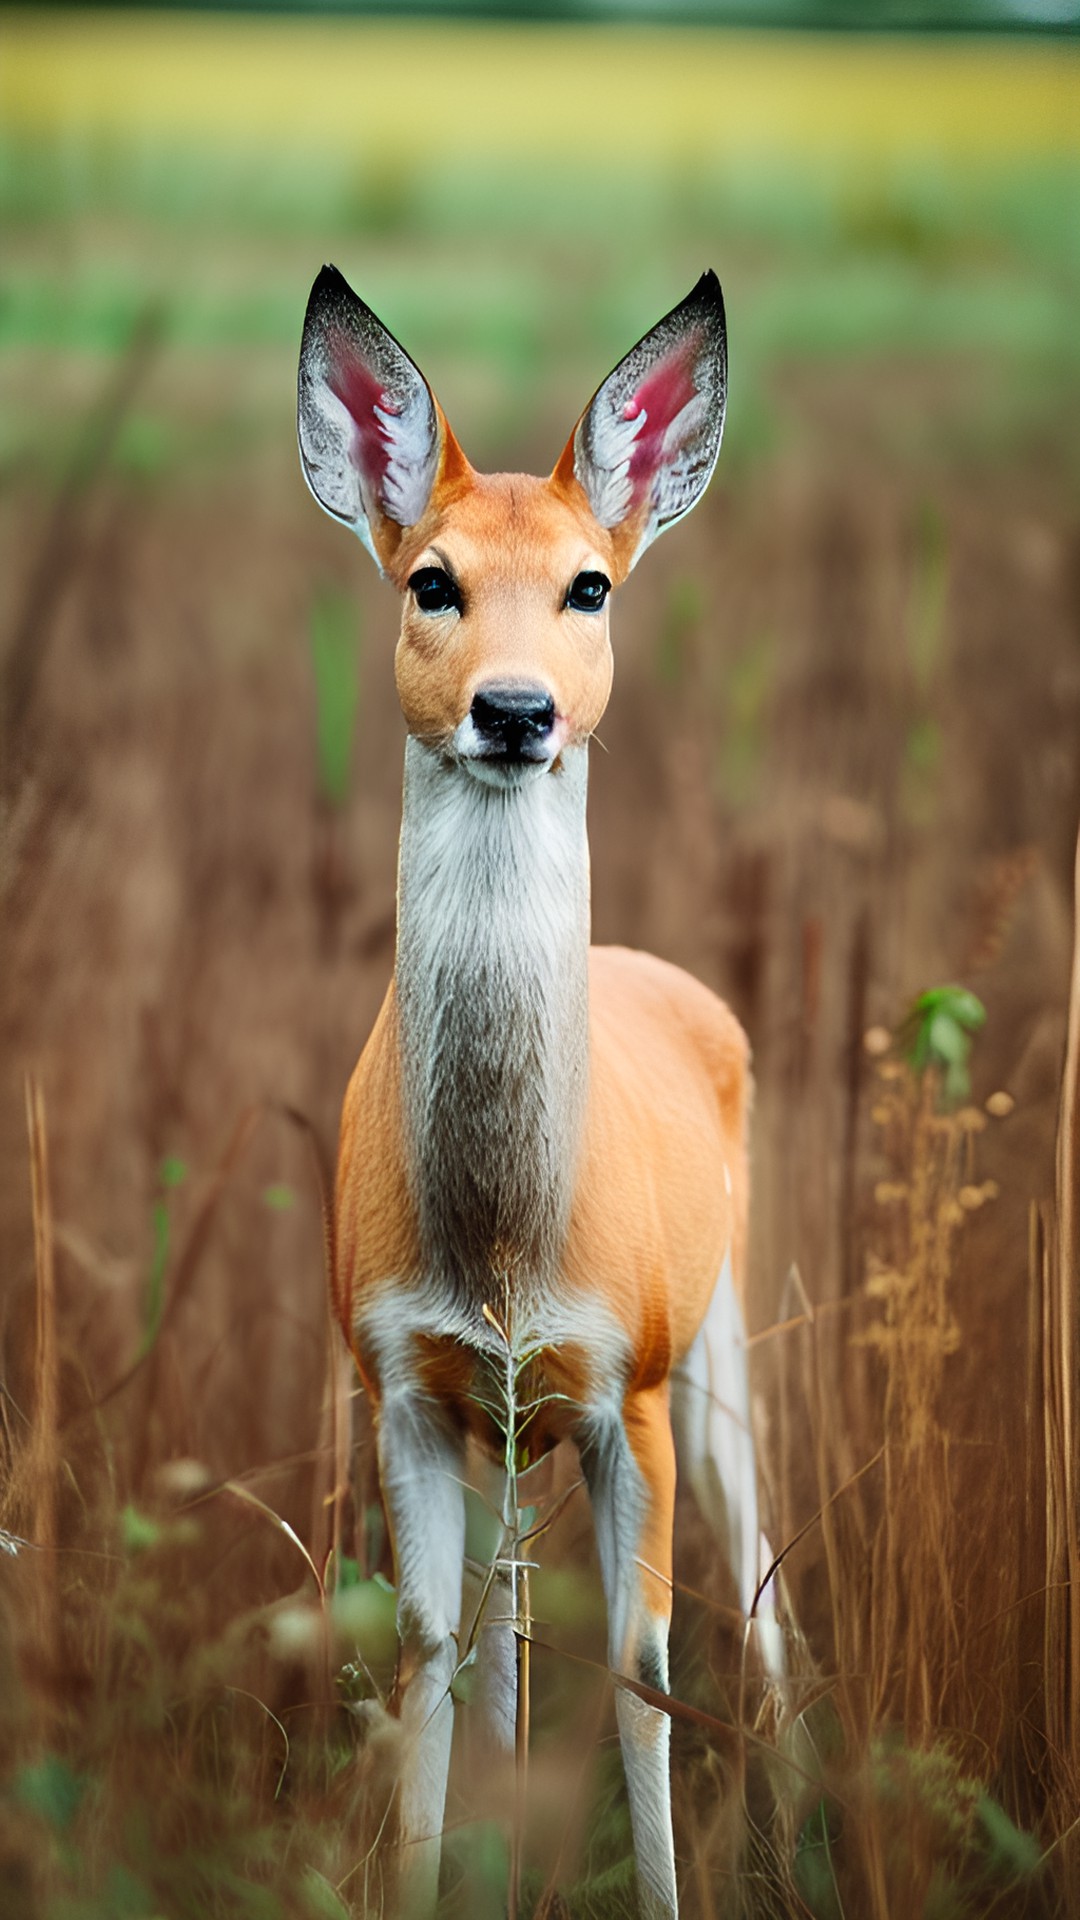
[[374, 442], [644, 450]]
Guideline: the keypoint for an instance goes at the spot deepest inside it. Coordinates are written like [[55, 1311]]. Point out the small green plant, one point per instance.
[[335, 659], [50, 1789], [815, 1863], [936, 1035], [941, 1833], [177, 1789], [138, 1531]]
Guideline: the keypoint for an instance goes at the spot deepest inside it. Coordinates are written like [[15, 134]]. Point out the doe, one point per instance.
[[543, 1143]]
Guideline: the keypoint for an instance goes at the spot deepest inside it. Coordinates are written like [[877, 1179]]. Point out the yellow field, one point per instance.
[[372, 88]]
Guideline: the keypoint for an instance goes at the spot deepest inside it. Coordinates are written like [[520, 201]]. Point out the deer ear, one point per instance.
[[374, 441], [644, 450]]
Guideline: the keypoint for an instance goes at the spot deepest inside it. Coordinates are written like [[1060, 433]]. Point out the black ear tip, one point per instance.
[[329, 280], [331, 291], [708, 291]]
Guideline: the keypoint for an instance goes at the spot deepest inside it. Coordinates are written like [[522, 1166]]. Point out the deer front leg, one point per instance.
[[629, 1467], [421, 1461]]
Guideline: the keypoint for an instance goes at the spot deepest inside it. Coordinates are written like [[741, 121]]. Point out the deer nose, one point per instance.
[[513, 720]]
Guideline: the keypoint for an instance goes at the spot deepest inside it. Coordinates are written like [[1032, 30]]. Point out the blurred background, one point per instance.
[[841, 768]]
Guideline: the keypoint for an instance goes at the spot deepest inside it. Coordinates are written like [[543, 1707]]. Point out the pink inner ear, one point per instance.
[[662, 395], [358, 389]]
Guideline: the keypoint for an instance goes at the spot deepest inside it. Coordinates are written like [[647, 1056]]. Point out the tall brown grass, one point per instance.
[[944, 1723], [177, 1744]]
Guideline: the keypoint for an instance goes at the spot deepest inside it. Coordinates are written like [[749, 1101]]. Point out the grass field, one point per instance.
[[841, 768], [369, 90]]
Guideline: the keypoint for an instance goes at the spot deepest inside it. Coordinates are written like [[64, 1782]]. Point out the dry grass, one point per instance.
[[840, 766], [201, 1663]]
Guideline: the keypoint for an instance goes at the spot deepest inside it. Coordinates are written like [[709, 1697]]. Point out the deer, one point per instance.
[[543, 1143]]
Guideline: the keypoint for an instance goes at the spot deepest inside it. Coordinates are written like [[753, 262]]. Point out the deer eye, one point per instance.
[[587, 593], [434, 591]]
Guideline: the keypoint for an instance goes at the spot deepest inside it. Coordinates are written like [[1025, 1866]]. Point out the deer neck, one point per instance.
[[492, 993]]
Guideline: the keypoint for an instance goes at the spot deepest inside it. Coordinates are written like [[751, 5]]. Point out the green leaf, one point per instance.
[[947, 1041], [320, 1900], [1009, 1850], [348, 1573], [958, 1002], [52, 1790], [480, 1855], [138, 1531], [171, 1173], [936, 1033], [967, 1009], [364, 1615], [957, 1083], [815, 1877], [279, 1198]]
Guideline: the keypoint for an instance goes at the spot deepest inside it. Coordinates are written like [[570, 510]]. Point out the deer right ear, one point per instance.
[[644, 450], [374, 441]]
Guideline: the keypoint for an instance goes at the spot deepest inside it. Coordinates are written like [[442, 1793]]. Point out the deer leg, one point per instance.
[[629, 1464], [421, 1466], [711, 1416], [496, 1692]]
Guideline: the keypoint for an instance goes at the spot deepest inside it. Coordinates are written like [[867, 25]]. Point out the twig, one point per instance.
[[1068, 1280], [45, 1451], [522, 1628]]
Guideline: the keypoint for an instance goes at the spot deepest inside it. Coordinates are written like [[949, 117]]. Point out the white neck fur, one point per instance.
[[492, 990]]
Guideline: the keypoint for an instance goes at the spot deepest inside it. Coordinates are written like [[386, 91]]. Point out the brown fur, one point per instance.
[[661, 1190], [514, 543]]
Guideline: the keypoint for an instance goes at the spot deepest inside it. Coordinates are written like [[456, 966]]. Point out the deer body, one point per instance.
[[541, 1142]]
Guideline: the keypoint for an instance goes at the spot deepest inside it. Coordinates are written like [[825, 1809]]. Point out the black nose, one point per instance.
[[512, 721]]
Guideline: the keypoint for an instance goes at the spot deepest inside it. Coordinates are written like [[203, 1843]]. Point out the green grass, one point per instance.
[[335, 660], [503, 285]]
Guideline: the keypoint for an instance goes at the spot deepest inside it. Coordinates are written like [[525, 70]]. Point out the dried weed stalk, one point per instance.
[[914, 1625]]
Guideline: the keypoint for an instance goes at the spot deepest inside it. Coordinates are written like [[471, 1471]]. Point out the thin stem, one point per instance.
[[522, 1628], [516, 1418]]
